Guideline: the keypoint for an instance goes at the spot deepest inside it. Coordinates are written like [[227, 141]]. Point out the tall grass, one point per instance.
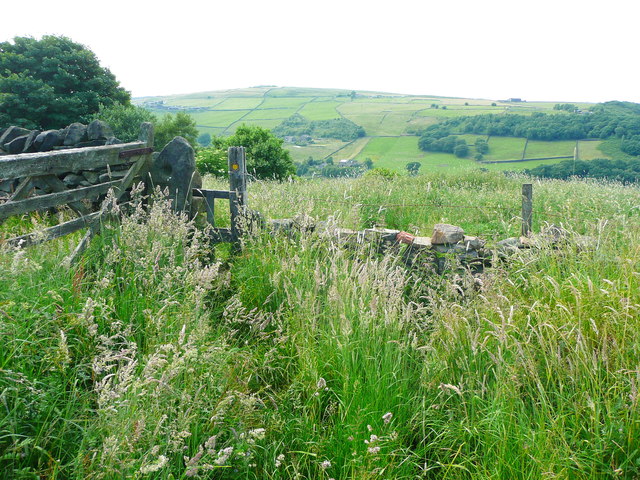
[[298, 358]]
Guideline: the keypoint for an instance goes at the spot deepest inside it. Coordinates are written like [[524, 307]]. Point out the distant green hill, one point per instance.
[[392, 123]]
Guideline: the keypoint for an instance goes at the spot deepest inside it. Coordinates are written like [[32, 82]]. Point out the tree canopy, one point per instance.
[[266, 157], [605, 120], [125, 120], [53, 82], [338, 128], [181, 124]]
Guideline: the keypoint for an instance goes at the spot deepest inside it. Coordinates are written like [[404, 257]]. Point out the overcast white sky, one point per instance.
[[556, 50]]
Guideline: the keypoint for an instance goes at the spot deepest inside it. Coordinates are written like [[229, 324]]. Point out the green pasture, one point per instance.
[[270, 114], [588, 150], [319, 150], [395, 152], [264, 123], [239, 103], [218, 118], [505, 148], [540, 149], [320, 110], [380, 114], [285, 102]]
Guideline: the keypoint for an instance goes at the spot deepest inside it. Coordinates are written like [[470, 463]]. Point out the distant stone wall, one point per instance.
[[448, 248]]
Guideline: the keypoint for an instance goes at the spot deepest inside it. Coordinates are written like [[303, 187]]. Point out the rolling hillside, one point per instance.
[[390, 122]]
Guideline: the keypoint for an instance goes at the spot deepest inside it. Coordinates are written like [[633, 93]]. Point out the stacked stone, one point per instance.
[[17, 140]]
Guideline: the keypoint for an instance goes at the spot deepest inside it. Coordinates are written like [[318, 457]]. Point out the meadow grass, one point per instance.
[[540, 149], [218, 118], [588, 150], [505, 148], [157, 357], [239, 103], [320, 110]]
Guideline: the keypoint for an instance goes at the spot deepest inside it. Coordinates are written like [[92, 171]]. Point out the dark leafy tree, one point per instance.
[[125, 120], [181, 124], [53, 82], [461, 150], [482, 147], [266, 157], [204, 139], [413, 168]]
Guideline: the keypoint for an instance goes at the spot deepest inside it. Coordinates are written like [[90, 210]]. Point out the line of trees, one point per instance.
[[626, 171], [606, 120]]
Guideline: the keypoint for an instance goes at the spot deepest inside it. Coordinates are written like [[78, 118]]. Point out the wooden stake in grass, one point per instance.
[[527, 209]]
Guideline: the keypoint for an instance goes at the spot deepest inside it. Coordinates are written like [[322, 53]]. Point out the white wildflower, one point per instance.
[[386, 418], [155, 466], [326, 464], [373, 450], [223, 456], [322, 383], [279, 460]]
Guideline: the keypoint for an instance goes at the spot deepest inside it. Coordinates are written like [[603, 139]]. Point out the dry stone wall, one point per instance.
[[447, 249], [16, 140]]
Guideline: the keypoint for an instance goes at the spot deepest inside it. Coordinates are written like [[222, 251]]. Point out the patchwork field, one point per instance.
[[388, 119]]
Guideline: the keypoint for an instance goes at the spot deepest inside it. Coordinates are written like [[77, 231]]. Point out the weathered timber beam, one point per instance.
[[201, 192], [63, 161], [43, 202], [22, 190], [47, 234], [58, 186]]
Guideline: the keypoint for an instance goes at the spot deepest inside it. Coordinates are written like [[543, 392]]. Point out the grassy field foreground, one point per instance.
[[300, 359]]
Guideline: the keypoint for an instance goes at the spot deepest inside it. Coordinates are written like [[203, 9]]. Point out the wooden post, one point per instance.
[[527, 209], [237, 188]]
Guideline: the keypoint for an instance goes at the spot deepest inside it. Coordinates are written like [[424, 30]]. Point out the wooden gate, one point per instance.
[[46, 168], [237, 196]]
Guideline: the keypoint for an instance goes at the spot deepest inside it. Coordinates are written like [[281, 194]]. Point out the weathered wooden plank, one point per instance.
[[238, 187], [42, 236], [22, 190], [43, 202], [62, 161], [527, 209], [201, 192], [58, 186]]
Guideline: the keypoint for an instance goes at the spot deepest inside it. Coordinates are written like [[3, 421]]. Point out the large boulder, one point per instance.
[[16, 145], [48, 139], [444, 233], [175, 168], [75, 133], [12, 133], [99, 130], [31, 138]]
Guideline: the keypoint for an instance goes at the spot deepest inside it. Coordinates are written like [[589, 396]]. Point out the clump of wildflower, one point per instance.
[[155, 466], [223, 456], [279, 460]]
